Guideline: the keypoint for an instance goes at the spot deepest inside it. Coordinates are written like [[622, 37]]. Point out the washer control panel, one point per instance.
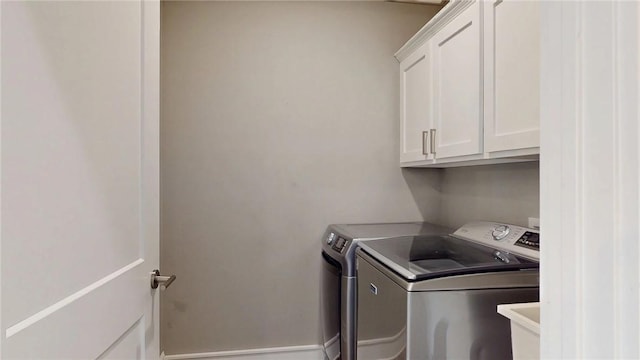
[[340, 244], [510, 238], [331, 238], [530, 240], [500, 232]]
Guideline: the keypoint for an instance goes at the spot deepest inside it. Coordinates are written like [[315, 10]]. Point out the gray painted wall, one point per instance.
[[277, 118], [507, 193]]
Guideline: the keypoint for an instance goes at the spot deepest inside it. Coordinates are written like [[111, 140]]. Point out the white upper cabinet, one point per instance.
[[469, 86], [512, 73], [416, 105], [457, 86]]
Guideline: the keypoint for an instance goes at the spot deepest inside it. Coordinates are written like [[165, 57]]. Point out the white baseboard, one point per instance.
[[304, 352]]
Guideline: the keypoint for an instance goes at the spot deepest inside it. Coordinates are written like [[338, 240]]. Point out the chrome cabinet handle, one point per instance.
[[159, 280], [432, 135], [425, 139]]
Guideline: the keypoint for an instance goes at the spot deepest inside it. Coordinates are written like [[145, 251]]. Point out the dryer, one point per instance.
[[338, 286]]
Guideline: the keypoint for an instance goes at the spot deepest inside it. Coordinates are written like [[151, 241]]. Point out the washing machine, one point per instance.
[[434, 297], [338, 285]]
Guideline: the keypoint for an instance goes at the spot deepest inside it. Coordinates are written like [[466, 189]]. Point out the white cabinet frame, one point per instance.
[[461, 93]]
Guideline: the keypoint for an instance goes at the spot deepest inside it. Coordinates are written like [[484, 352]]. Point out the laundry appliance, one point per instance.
[[338, 290], [434, 297]]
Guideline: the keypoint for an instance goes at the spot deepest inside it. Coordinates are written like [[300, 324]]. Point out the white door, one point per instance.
[[415, 105], [79, 179], [456, 63], [512, 75]]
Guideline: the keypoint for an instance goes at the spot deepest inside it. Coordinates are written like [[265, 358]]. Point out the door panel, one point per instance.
[[457, 86], [79, 178], [85, 324], [126, 347], [512, 73], [60, 130], [415, 104]]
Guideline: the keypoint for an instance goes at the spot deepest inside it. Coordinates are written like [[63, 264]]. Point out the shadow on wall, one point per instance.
[[508, 193], [425, 185]]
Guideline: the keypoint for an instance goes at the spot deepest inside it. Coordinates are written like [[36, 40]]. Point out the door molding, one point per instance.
[[589, 180]]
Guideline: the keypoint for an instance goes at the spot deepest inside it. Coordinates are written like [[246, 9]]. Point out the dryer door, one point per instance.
[[330, 307]]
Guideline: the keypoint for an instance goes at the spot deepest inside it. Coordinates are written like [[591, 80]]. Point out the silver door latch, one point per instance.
[[373, 289], [159, 280]]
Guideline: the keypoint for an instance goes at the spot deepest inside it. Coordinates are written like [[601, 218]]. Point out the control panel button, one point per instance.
[[500, 232], [339, 244], [330, 238], [529, 240]]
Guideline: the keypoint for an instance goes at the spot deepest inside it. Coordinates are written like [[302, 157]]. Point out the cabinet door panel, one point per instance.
[[458, 86], [415, 104], [512, 90]]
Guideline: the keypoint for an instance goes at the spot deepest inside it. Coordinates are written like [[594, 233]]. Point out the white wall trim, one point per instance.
[[2, 325], [590, 176], [303, 352]]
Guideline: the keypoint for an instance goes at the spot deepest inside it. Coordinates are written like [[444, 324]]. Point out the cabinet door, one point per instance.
[[415, 105], [512, 73], [457, 80]]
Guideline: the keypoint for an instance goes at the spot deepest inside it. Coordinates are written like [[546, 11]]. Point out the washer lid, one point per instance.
[[429, 257]]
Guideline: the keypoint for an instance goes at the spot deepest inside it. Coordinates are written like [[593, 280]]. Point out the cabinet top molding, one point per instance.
[[442, 18]]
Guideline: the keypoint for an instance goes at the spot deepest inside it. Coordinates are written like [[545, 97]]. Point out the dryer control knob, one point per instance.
[[500, 232]]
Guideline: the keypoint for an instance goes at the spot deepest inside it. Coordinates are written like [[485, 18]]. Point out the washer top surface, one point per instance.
[[340, 241], [484, 248]]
